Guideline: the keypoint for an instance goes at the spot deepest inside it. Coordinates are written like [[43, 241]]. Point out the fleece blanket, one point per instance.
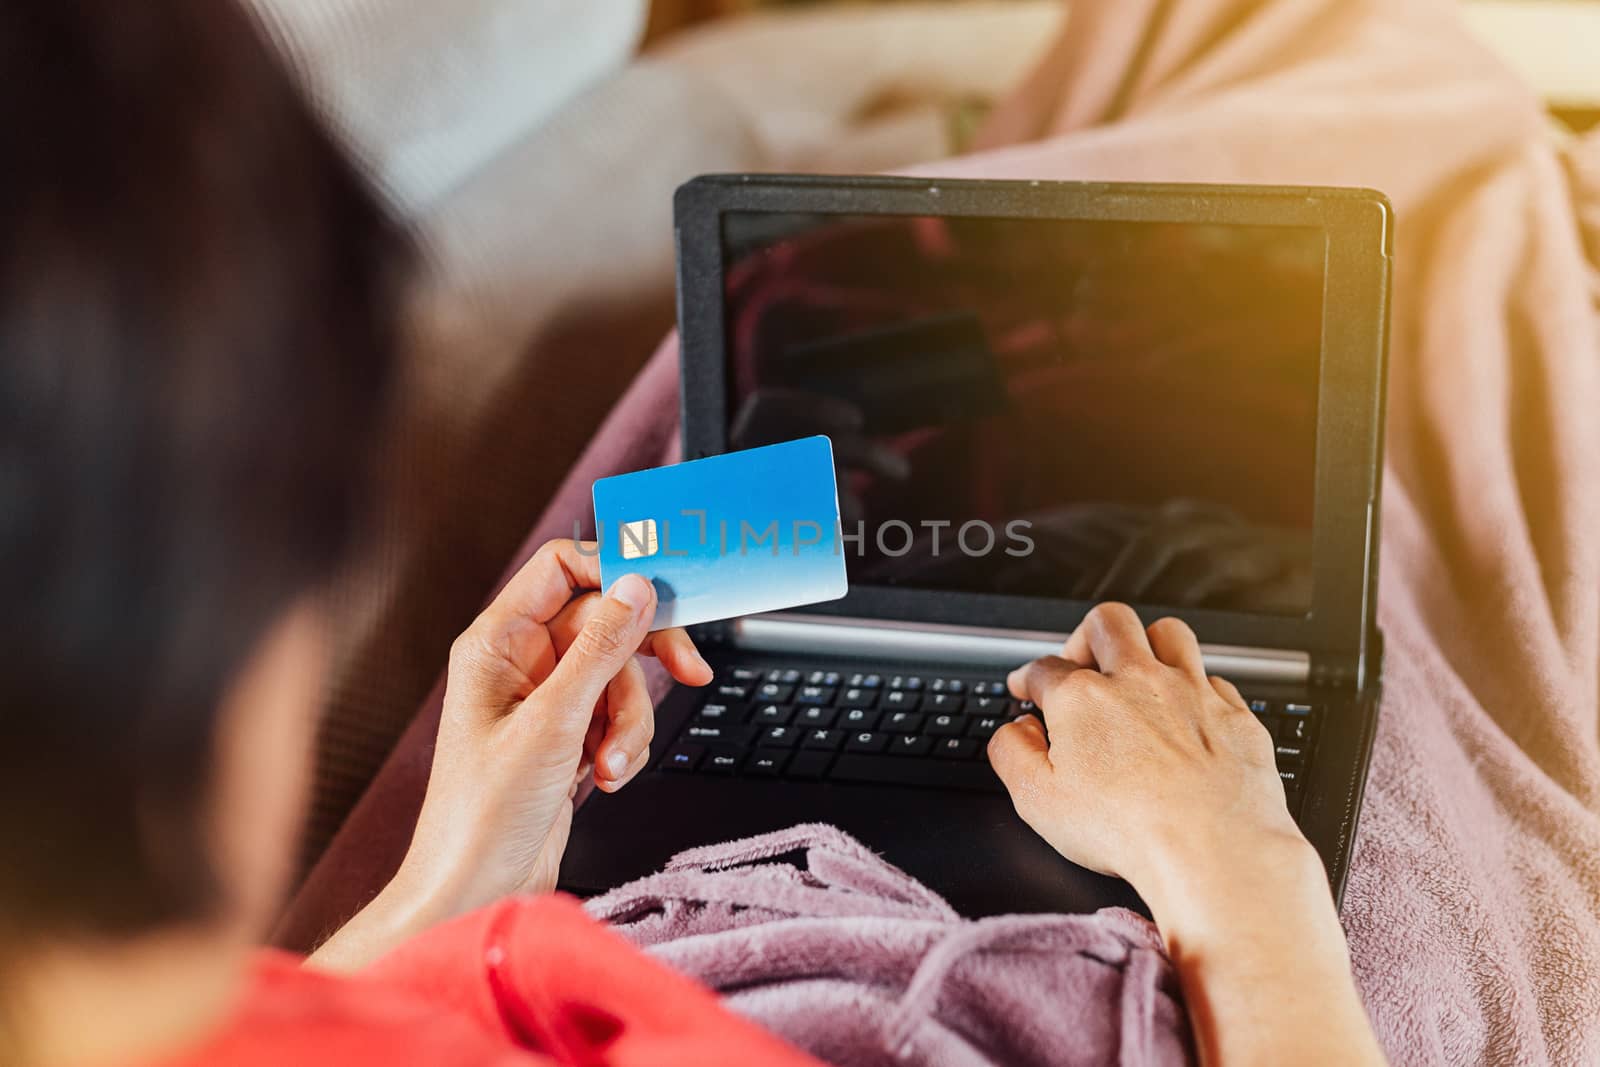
[[1473, 905], [814, 936]]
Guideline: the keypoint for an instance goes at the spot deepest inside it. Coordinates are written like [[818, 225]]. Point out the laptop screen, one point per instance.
[[1043, 407]]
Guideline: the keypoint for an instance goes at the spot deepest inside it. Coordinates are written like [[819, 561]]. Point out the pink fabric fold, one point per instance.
[[1473, 905], [818, 939]]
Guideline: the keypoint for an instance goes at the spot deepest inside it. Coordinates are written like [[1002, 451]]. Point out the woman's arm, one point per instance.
[[543, 691], [1154, 772]]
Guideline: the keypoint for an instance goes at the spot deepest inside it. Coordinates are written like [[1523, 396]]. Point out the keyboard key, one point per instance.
[[902, 722], [866, 681], [904, 681], [808, 765], [989, 689], [721, 761], [945, 726], [947, 685], [1290, 755], [774, 692], [1259, 707], [822, 717], [858, 696], [901, 700], [856, 767], [867, 741], [823, 678], [983, 729], [732, 691], [1291, 777], [986, 705], [703, 732], [783, 676], [955, 748], [718, 713], [943, 702], [1298, 709], [765, 763], [910, 745], [1020, 707], [814, 694], [779, 737], [773, 714], [744, 674], [682, 758], [859, 719], [1295, 729], [823, 740]]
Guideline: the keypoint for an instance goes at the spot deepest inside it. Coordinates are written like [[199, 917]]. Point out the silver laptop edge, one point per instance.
[[1000, 648]]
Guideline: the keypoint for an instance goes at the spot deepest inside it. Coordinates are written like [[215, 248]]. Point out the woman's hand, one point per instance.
[[543, 691], [1148, 761], [1158, 774]]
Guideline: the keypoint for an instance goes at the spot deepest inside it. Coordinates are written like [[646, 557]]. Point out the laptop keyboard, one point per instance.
[[921, 730]]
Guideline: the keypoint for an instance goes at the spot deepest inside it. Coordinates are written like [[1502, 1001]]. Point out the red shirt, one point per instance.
[[530, 982]]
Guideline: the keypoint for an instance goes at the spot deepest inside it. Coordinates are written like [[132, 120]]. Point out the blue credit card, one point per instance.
[[729, 535]]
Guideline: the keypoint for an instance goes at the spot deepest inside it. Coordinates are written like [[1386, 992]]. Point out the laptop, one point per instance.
[[1040, 396]]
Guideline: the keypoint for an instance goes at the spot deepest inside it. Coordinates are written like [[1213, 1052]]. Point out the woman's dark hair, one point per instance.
[[197, 317]]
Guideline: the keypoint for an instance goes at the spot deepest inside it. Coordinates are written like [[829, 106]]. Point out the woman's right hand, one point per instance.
[[1156, 773]]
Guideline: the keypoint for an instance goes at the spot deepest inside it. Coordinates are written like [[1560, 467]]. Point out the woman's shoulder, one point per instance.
[[528, 982], [560, 981], [290, 1014]]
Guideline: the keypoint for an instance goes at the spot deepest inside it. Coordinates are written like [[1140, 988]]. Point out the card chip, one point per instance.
[[639, 539]]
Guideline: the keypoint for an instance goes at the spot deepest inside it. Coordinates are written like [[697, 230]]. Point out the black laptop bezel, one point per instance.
[[1358, 225]]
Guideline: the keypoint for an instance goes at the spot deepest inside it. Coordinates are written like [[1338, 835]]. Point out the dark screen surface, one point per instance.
[[1068, 409]]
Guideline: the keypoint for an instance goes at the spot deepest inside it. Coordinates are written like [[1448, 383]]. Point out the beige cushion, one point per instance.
[[864, 87], [429, 91]]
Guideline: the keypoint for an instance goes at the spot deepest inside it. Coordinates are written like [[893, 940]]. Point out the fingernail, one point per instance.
[[633, 590], [616, 764]]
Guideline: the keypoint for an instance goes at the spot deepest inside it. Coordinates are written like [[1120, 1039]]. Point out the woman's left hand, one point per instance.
[[543, 691]]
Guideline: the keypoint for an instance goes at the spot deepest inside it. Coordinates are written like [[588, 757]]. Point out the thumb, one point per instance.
[[612, 633]]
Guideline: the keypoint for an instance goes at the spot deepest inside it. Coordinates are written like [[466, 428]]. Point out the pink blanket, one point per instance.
[[1473, 906], [862, 966]]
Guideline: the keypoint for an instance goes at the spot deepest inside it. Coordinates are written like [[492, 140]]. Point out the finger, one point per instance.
[[674, 648], [639, 763], [1229, 692], [1020, 755], [630, 724], [1039, 678], [610, 636], [677, 652], [1175, 644], [592, 737], [1109, 638], [544, 585]]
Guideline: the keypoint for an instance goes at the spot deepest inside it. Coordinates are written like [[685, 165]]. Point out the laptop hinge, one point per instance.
[[939, 643], [1337, 671]]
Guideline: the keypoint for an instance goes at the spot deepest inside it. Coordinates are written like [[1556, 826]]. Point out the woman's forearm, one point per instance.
[[1263, 962], [401, 911]]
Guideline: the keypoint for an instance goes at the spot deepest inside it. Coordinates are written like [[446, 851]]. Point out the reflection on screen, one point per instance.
[[1129, 409]]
